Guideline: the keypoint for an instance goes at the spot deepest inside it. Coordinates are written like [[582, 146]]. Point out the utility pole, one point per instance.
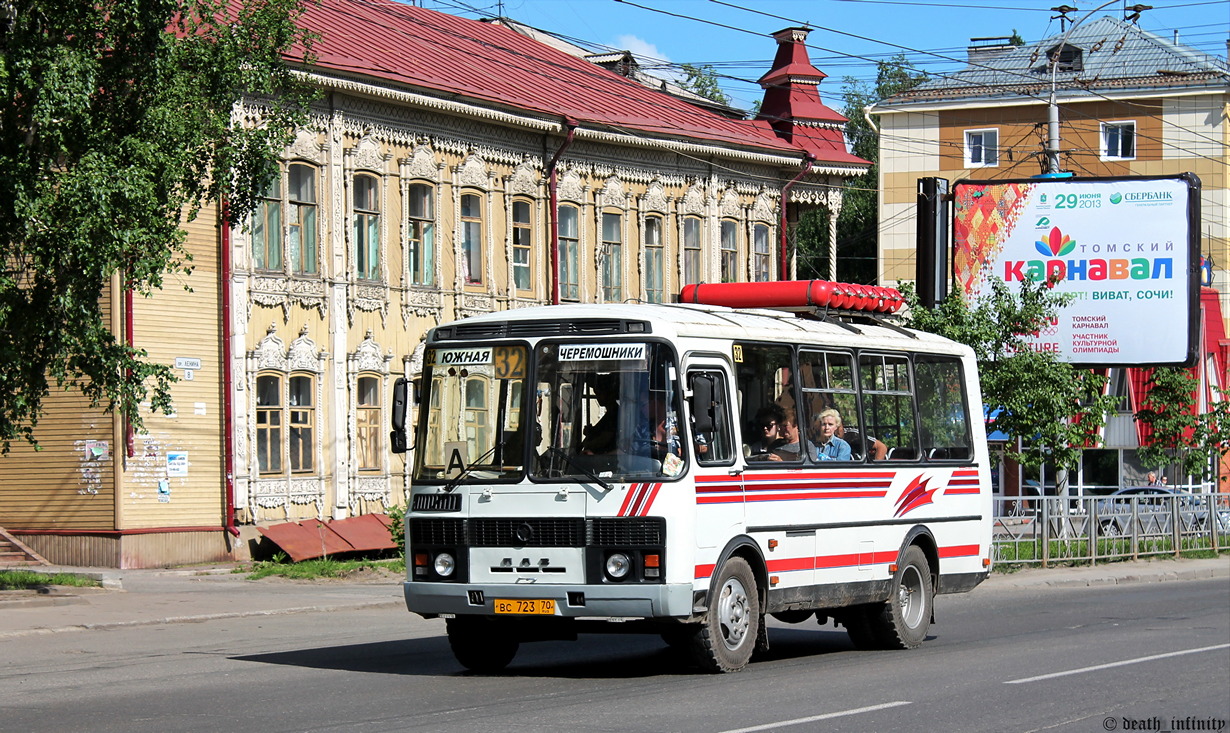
[[1052, 117]]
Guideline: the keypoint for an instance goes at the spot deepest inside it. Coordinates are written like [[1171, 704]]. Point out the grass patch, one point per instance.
[[28, 579], [323, 568], [1011, 557]]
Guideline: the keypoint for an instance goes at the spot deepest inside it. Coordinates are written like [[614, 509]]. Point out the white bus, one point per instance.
[[687, 469]]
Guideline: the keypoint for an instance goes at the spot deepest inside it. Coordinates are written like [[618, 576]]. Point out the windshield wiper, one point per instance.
[[588, 473], [455, 482]]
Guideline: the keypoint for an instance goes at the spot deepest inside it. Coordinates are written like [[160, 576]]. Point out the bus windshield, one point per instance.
[[606, 410], [472, 426], [599, 412]]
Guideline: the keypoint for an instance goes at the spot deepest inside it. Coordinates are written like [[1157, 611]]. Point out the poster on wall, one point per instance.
[[1127, 249]]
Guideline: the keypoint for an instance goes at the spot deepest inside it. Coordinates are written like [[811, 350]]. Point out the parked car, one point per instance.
[[1154, 508]]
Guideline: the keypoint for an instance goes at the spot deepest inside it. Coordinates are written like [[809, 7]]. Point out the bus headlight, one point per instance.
[[444, 565], [617, 565]]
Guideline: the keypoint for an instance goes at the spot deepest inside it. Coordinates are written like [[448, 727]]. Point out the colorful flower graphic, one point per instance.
[[1056, 244]]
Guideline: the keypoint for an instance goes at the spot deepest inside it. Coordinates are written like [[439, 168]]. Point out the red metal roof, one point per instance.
[[439, 53], [312, 538]]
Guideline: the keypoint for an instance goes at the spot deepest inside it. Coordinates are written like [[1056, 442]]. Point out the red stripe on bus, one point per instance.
[[632, 489], [852, 559], [653, 494], [959, 551]]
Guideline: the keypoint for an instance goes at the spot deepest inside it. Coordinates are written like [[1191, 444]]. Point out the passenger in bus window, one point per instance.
[[766, 426], [793, 444], [831, 447]]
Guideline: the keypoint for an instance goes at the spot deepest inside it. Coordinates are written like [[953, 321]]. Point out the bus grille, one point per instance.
[[532, 532], [539, 532], [628, 531], [437, 531]]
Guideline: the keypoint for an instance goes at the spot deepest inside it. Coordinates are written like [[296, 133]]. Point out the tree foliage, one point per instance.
[[858, 221], [1053, 407], [703, 80], [1181, 436], [115, 126]]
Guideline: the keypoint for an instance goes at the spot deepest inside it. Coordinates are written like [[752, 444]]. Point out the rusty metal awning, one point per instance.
[[314, 538]]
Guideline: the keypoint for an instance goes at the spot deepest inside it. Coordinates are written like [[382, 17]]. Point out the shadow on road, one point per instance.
[[592, 656]]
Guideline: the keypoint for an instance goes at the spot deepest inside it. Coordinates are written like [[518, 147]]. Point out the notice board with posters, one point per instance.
[[1128, 250]]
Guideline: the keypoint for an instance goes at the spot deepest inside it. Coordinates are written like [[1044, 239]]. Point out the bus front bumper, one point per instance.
[[632, 601]]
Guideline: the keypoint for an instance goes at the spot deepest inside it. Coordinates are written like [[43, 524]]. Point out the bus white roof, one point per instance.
[[676, 321]]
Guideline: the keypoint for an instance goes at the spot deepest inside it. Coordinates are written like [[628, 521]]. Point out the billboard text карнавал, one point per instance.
[[1124, 248]]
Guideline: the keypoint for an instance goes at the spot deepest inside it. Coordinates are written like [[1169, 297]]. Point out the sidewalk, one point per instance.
[[159, 596], [152, 597]]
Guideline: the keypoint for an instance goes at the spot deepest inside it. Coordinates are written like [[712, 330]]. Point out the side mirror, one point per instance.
[[702, 403], [397, 438]]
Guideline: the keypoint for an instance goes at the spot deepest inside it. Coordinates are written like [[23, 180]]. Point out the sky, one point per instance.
[[848, 37]]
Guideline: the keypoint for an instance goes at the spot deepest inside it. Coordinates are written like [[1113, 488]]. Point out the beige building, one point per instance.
[[1129, 102], [451, 167]]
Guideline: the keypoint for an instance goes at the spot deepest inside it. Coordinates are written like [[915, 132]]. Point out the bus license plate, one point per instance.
[[525, 606]]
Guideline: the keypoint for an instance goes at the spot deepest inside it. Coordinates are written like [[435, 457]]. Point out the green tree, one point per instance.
[[703, 80], [116, 126], [1053, 407], [858, 222], [1181, 436]]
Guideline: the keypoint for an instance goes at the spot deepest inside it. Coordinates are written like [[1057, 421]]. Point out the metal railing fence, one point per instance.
[[1063, 529]]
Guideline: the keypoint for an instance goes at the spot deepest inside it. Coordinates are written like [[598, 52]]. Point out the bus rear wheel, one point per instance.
[[727, 638], [480, 644], [903, 620]]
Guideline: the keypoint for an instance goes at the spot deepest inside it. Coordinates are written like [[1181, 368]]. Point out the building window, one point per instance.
[[472, 238], [269, 424], [523, 245], [302, 423], [612, 258], [762, 260], [569, 253], [422, 233], [981, 148], [1118, 140], [655, 273], [302, 224], [368, 424], [730, 251], [367, 227], [267, 229], [691, 250]]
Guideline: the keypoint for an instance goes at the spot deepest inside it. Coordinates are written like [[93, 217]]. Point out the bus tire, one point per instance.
[[481, 644], [727, 638], [903, 620], [858, 625]]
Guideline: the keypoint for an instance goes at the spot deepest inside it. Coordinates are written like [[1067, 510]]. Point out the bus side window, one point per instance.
[[710, 417]]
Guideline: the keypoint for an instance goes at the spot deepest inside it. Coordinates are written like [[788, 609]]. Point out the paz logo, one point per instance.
[[1043, 222], [1056, 244], [1116, 197]]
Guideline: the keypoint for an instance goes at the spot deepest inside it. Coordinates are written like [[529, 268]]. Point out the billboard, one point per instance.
[[1126, 248]]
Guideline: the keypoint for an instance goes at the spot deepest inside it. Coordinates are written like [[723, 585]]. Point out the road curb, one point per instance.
[[1085, 578]]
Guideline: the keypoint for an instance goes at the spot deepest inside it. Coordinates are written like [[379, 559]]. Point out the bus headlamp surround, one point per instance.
[[618, 565], [444, 564]]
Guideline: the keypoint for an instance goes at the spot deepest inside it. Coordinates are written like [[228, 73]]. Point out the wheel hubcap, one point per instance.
[[734, 613], [910, 597]]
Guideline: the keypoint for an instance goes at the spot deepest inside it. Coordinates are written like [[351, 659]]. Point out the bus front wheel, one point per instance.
[[480, 644], [727, 638]]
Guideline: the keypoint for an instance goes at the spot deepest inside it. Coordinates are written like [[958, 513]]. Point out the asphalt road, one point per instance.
[[1148, 656]]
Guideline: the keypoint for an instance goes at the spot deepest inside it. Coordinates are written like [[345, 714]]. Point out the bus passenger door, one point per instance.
[[719, 482]]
